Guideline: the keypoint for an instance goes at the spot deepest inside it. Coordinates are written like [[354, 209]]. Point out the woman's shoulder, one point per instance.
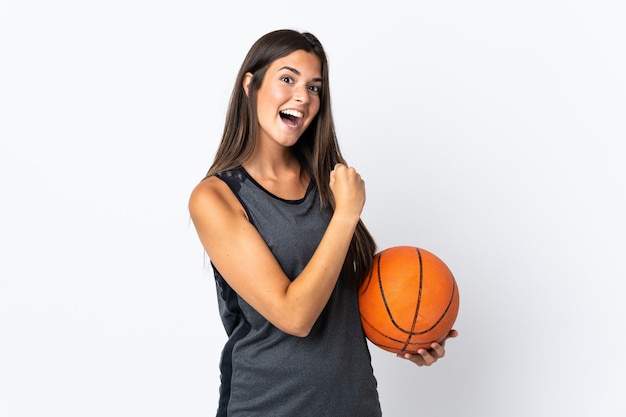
[[213, 195]]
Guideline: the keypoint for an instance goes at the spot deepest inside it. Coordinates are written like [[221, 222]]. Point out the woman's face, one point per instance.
[[289, 97]]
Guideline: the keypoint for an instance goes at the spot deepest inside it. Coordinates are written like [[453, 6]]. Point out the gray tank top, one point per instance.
[[268, 373]]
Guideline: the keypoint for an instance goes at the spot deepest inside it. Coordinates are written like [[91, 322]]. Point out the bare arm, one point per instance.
[[228, 237]]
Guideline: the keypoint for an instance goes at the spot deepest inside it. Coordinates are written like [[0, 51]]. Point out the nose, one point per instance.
[[301, 94]]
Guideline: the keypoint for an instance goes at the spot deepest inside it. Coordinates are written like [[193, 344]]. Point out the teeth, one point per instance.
[[294, 113]]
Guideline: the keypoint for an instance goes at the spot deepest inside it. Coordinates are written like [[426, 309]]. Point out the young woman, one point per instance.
[[278, 214]]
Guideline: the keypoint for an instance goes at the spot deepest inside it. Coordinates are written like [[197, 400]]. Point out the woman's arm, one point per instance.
[[244, 260]]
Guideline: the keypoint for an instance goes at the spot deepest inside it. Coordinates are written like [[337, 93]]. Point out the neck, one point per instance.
[[272, 161], [281, 174]]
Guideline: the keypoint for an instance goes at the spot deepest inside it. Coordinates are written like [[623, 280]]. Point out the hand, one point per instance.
[[348, 188], [426, 357]]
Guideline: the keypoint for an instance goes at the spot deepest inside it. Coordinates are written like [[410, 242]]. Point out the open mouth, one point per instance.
[[291, 117]]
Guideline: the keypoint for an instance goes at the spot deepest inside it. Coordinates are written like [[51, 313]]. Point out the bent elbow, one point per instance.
[[297, 328], [301, 332]]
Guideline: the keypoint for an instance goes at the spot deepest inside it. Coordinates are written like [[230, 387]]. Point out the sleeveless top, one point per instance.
[[268, 373]]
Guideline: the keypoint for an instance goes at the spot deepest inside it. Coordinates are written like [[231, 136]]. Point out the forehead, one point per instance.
[[305, 63]]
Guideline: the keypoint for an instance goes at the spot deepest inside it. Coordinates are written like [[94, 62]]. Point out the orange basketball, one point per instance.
[[409, 300]]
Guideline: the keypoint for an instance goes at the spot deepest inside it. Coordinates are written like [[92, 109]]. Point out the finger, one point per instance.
[[338, 167], [438, 350], [416, 359], [427, 357]]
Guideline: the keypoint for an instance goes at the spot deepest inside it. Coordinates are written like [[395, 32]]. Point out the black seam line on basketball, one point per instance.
[[385, 335], [419, 301], [454, 290], [392, 339], [411, 332], [382, 294]]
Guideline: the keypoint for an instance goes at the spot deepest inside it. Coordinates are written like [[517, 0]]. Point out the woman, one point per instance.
[[278, 214]]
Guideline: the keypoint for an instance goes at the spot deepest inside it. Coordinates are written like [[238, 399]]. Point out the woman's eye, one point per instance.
[[316, 89], [286, 79]]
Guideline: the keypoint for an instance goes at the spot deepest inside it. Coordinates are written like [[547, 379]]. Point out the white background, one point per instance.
[[490, 133]]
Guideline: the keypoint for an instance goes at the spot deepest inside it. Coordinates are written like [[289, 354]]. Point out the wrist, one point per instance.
[[345, 218]]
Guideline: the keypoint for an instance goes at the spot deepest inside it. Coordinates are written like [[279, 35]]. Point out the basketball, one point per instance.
[[408, 300]]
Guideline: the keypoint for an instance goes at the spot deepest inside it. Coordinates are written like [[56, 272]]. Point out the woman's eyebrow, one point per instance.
[[289, 69], [295, 71]]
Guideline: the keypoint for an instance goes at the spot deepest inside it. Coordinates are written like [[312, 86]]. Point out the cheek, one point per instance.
[[314, 107], [271, 95], [278, 94], [313, 111]]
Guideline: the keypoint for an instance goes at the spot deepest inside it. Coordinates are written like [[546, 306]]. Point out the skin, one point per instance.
[[291, 83], [427, 357]]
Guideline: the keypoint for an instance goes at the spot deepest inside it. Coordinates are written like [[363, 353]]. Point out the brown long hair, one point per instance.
[[317, 149]]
